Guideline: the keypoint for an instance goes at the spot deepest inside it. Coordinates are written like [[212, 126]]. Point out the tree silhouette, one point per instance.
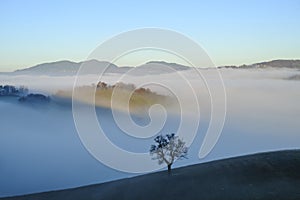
[[167, 149]]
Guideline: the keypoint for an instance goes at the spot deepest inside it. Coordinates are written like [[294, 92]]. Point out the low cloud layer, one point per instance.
[[40, 149]]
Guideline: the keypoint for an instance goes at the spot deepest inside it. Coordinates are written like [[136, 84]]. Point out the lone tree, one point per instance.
[[167, 149]]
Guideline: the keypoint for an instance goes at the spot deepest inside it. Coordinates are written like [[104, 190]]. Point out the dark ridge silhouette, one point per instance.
[[272, 175]]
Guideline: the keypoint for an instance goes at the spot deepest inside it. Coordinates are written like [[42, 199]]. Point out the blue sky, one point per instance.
[[231, 32]]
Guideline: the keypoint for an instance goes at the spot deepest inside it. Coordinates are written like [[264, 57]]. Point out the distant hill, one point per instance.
[[273, 175], [279, 64], [174, 66], [62, 68], [293, 64], [68, 68], [157, 67]]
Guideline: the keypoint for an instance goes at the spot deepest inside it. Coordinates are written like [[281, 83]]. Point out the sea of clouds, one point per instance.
[[40, 149]]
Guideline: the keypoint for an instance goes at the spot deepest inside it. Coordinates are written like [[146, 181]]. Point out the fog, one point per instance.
[[40, 149]]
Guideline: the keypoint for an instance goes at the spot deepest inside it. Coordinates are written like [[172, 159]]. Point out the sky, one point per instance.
[[231, 32]]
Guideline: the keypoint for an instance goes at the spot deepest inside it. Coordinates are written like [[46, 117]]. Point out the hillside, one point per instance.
[[61, 68], [291, 64], [66, 68], [274, 175], [69, 68], [279, 64]]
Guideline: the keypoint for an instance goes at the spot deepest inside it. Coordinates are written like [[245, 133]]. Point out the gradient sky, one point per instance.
[[231, 32]]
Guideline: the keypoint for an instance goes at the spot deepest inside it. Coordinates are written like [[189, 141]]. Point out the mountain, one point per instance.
[[295, 64], [292, 64], [63, 68], [157, 67], [174, 66], [67, 68], [272, 175]]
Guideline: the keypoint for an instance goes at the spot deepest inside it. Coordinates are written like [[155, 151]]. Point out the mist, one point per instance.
[[40, 149]]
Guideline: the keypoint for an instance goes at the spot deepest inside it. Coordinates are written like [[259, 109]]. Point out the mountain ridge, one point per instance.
[[278, 63], [66, 67]]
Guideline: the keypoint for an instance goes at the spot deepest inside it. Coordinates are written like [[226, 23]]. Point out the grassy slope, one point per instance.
[[274, 175]]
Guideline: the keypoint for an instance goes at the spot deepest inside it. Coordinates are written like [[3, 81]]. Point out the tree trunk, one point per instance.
[[169, 168]]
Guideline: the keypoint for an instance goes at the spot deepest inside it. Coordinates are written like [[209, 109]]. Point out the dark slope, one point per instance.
[[274, 175]]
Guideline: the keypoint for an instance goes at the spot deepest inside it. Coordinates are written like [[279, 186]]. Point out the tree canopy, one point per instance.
[[167, 149]]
